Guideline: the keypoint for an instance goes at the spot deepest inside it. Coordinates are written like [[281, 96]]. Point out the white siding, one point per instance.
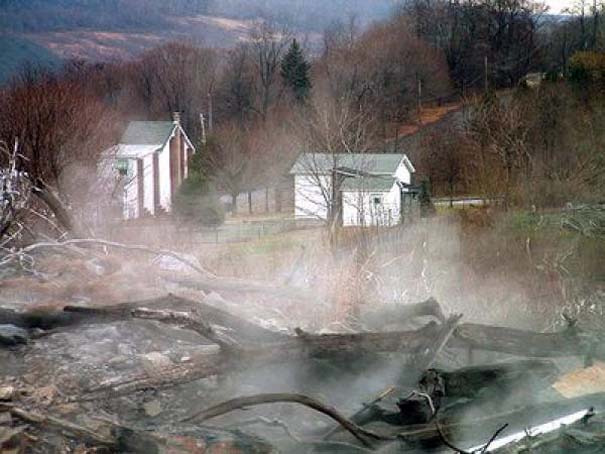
[[148, 183], [312, 192], [403, 173], [359, 208], [310, 199], [164, 164]]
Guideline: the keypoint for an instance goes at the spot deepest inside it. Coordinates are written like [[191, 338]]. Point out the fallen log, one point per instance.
[[422, 361], [453, 385], [425, 359], [438, 389], [77, 315], [11, 335], [237, 327], [401, 313], [73, 316], [279, 347], [569, 342], [329, 345], [189, 321], [216, 362], [469, 382], [36, 319]]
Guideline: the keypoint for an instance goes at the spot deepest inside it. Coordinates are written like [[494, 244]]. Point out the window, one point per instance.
[[377, 199], [123, 167]]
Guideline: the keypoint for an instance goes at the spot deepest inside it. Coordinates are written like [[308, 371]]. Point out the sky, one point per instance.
[[556, 6]]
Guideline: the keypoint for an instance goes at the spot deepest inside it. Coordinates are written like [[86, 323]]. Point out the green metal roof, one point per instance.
[[368, 184], [381, 163], [147, 133]]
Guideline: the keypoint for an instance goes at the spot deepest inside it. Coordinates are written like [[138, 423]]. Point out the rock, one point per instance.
[[155, 363], [152, 408], [5, 419], [118, 360], [12, 335], [7, 392]]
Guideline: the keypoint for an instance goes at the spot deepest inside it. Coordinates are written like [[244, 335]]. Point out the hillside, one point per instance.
[[47, 31], [56, 15], [100, 44], [16, 52], [49, 47]]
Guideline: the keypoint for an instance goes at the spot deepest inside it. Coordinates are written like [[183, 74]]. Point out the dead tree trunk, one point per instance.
[[246, 355]]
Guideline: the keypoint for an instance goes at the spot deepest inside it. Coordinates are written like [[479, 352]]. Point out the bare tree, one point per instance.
[[16, 195], [331, 130], [443, 161], [230, 157], [267, 47], [499, 134], [381, 69], [62, 129], [470, 31], [237, 87], [176, 77]]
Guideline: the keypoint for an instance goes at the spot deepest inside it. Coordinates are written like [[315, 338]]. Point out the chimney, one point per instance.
[[176, 118]]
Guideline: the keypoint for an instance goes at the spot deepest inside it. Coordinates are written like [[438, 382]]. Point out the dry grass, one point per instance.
[[427, 116], [505, 268]]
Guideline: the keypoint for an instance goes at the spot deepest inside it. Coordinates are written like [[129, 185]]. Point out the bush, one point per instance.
[[587, 67], [195, 202]]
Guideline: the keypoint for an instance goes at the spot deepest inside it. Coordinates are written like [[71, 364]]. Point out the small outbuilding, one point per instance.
[[152, 159], [361, 189]]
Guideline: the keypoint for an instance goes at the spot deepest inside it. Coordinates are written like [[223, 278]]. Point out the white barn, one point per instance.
[[372, 188], [152, 158]]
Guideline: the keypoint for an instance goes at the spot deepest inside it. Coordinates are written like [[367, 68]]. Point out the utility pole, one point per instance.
[[485, 69], [210, 115], [202, 121], [419, 96]]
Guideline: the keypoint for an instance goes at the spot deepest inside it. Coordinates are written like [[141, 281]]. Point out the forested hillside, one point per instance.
[[16, 52], [102, 30], [54, 15]]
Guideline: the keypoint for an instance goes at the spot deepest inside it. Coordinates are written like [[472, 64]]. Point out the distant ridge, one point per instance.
[[17, 52], [47, 32]]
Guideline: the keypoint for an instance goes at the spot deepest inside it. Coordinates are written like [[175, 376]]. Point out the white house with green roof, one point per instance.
[[370, 187], [152, 159]]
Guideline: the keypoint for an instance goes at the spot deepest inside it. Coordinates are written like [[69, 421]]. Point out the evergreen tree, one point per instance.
[[196, 201], [295, 72]]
